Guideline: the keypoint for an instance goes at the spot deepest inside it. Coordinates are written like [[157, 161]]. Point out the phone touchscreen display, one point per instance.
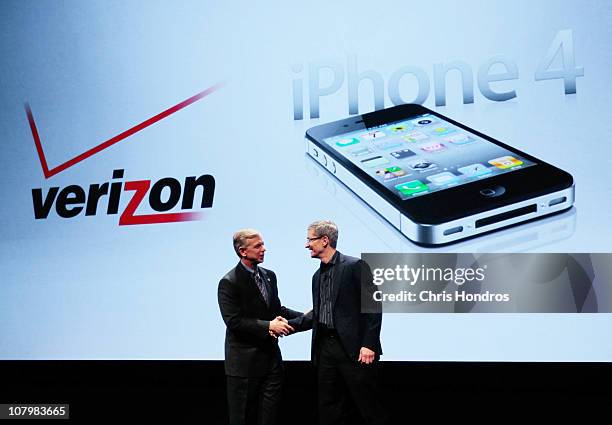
[[424, 154]]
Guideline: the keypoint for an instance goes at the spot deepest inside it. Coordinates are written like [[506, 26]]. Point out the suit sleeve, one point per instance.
[[229, 304], [371, 336], [303, 322], [285, 312]]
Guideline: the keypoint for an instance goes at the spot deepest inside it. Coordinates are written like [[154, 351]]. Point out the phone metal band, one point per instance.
[[436, 234]]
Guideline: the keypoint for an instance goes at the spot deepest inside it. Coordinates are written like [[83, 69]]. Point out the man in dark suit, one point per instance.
[[345, 342], [251, 309]]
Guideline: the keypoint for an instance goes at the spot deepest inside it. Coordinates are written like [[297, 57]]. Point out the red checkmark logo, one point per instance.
[[49, 172]]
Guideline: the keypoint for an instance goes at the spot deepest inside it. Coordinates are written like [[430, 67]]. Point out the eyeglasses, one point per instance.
[[309, 240]]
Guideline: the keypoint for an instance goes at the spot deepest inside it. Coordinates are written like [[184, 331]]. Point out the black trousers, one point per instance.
[[340, 377], [255, 400]]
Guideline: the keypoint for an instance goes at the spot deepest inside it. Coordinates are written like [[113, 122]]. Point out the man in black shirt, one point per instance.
[[345, 342]]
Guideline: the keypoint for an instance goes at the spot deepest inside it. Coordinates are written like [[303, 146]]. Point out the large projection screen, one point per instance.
[[84, 281]]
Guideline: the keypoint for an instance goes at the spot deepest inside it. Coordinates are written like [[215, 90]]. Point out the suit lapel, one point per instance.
[[315, 290], [250, 286], [339, 278]]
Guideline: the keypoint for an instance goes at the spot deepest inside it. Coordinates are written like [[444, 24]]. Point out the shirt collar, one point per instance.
[[247, 268], [334, 259], [332, 262]]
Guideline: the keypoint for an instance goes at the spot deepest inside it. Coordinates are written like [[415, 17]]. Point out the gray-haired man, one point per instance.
[[251, 309], [345, 341]]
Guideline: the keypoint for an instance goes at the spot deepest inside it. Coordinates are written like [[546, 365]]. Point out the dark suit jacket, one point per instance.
[[249, 349], [354, 328]]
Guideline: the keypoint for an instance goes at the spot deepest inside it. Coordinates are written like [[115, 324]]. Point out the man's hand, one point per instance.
[[279, 327], [366, 356]]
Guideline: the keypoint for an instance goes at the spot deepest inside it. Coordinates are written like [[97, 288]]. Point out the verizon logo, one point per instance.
[[72, 200]]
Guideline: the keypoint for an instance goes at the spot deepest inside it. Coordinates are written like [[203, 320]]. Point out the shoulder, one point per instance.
[[230, 277], [348, 260], [354, 264], [268, 273]]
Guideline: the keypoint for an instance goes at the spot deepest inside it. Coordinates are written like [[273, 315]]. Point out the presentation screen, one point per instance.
[[139, 136]]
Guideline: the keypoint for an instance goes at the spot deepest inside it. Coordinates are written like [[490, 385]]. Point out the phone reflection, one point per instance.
[[542, 283], [538, 235], [500, 283]]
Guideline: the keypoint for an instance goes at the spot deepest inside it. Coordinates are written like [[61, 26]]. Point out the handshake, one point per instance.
[[279, 327]]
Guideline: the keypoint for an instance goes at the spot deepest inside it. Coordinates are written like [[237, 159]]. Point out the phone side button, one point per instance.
[[492, 192], [453, 230], [333, 167], [325, 160], [315, 152]]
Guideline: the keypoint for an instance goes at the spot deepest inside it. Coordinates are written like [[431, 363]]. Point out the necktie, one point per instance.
[[261, 285]]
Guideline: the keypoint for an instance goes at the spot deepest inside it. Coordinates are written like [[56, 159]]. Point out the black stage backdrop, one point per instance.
[[193, 392]]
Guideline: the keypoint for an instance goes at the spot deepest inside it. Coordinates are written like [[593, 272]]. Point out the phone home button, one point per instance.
[[492, 192]]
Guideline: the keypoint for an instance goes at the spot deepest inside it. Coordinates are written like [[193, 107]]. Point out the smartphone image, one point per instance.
[[436, 180]]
